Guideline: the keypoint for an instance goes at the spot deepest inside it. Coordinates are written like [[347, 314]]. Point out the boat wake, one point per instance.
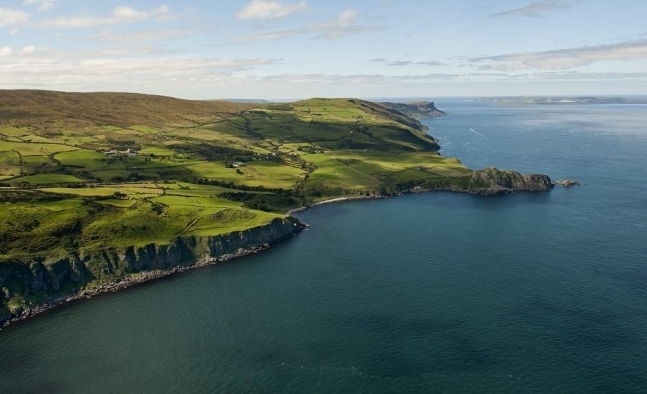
[[476, 132]]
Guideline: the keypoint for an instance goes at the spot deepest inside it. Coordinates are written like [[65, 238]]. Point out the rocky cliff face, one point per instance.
[[417, 110], [491, 181], [25, 284]]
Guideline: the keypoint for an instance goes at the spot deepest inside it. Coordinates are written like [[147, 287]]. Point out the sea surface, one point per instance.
[[437, 292]]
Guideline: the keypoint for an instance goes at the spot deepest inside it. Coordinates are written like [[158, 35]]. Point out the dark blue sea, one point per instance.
[[426, 293]]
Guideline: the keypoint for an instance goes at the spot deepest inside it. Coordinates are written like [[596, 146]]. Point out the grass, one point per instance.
[[157, 151], [38, 161], [9, 158], [132, 190], [34, 149], [118, 203], [144, 129], [88, 159], [60, 205], [181, 181], [11, 131], [43, 179], [37, 138]]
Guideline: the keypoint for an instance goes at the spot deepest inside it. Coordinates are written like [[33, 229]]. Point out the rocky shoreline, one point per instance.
[[486, 182], [112, 270], [132, 280]]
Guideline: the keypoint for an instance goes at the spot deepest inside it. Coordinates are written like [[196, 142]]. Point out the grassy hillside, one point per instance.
[[89, 171]]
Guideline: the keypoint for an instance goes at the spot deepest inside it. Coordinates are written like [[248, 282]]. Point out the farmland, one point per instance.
[[105, 170]]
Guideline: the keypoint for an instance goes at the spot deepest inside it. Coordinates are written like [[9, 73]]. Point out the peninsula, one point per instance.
[[102, 190]]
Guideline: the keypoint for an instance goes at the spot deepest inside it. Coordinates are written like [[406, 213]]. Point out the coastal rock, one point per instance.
[[566, 182], [491, 181]]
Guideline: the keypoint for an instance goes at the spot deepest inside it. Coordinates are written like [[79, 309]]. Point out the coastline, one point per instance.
[[152, 275], [136, 279], [146, 277], [333, 200]]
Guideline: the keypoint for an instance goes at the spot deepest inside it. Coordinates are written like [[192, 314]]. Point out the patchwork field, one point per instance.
[[101, 170]]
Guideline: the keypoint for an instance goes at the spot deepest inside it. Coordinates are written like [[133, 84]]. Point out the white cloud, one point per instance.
[[505, 67], [162, 13], [147, 70], [536, 8], [28, 49], [343, 20], [14, 31], [389, 62], [41, 5], [126, 14], [343, 25], [269, 36], [431, 63], [119, 15], [143, 35], [9, 17], [562, 59], [267, 9], [123, 68], [8, 52]]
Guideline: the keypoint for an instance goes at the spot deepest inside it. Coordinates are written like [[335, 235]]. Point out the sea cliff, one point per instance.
[[416, 110], [491, 181], [30, 287]]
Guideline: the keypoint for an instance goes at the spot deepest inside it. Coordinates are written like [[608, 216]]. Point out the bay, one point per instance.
[[434, 292]]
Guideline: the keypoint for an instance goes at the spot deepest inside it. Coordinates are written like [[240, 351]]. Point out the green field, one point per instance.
[[42, 179], [84, 177], [34, 149], [106, 170], [11, 131], [87, 159]]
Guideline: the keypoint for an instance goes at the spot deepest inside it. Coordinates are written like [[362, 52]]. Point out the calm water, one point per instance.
[[423, 293]]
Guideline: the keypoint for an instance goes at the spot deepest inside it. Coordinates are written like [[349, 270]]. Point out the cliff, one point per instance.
[[28, 287], [417, 110], [491, 181]]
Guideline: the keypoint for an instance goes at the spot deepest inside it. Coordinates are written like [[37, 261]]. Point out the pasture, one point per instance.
[[146, 169]]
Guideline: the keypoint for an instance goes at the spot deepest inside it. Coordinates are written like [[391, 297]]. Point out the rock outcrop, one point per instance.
[[417, 110], [491, 181], [31, 286], [566, 182]]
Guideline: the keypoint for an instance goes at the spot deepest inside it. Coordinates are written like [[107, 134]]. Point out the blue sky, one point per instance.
[[304, 48]]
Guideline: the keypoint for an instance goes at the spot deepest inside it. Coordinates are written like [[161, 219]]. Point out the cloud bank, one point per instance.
[[562, 59]]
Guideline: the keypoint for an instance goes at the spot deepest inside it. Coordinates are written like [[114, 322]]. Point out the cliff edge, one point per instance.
[[417, 110], [491, 181], [30, 287]]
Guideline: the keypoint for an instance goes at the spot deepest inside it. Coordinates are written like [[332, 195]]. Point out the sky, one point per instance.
[[293, 49]]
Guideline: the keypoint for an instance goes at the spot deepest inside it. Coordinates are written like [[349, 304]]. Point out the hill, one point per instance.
[[98, 187]]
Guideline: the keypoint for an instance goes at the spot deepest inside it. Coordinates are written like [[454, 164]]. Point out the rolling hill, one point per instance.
[[98, 187]]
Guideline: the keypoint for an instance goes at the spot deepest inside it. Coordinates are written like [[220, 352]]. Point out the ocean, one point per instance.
[[434, 292]]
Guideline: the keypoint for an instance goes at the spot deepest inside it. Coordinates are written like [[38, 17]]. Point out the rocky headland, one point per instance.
[[416, 110], [31, 287], [492, 181]]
